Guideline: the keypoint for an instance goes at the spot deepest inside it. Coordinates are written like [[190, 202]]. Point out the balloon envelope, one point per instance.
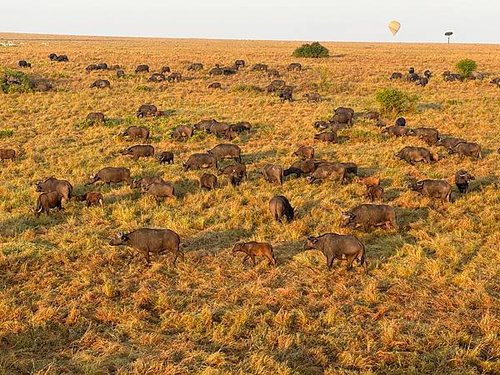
[[394, 26]]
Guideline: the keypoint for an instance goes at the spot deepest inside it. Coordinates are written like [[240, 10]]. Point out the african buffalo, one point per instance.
[[110, 175], [301, 167], [304, 152], [294, 67], [139, 151], [253, 249], [439, 189], [92, 198], [428, 135], [143, 68], [141, 183], [136, 132], [46, 201], [148, 110], [226, 151], [328, 171], [327, 136], [370, 215], [159, 190], [95, 117], [7, 154], [374, 193], [462, 179], [101, 84], [273, 173], [414, 155], [63, 187], [182, 132], [280, 207], [199, 161], [396, 131], [237, 169], [466, 149], [208, 181], [166, 157]]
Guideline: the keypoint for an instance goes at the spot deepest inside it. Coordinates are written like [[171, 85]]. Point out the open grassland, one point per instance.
[[69, 303]]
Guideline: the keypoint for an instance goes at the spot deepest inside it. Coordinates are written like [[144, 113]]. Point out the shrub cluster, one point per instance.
[[395, 101], [314, 50]]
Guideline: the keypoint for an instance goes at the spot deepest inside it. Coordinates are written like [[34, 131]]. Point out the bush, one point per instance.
[[9, 76], [314, 50], [466, 67], [395, 101]]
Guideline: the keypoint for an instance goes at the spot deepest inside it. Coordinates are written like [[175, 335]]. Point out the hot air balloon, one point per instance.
[[394, 26]]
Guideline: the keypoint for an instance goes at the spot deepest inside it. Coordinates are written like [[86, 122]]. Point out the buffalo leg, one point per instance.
[[245, 259], [253, 259]]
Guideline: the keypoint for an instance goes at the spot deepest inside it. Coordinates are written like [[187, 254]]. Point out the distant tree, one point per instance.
[[465, 67], [314, 50]]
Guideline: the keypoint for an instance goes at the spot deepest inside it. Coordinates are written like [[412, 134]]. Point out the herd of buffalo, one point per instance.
[[53, 191]]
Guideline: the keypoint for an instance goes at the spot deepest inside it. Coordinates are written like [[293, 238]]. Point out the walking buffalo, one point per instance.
[[139, 151], [466, 149], [370, 215], [136, 132], [110, 175], [159, 190], [280, 207], [199, 161], [438, 189]]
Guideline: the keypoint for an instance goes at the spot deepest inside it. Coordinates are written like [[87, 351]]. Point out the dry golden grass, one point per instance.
[[69, 303]]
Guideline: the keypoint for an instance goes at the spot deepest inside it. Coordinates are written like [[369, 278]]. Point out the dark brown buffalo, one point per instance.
[[396, 75], [150, 241], [280, 207], [253, 249], [159, 190], [278, 83], [273, 73], [239, 64], [175, 77], [462, 179], [428, 135], [396, 131], [208, 181], [182, 132], [62, 58], [226, 151], [141, 183], [46, 201], [350, 168], [215, 71], [240, 127], [371, 115], [139, 151], [157, 77], [7, 154], [259, 68], [120, 73], [195, 67], [166, 157], [370, 215], [328, 171], [449, 142], [294, 67], [215, 85], [136, 132], [322, 125], [338, 246], [313, 97], [95, 118], [110, 175], [466, 149], [91, 67], [24, 64], [101, 84], [205, 125], [304, 152], [286, 93], [199, 161], [327, 136], [53, 57], [300, 168], [237, 169], [93, 198], [438, 189], [414, 155], [374, 193], [343, 118], [143, 68], [63, 187], [273, 173], [102, 66], [148, 110], [222, 130], [165, 69]]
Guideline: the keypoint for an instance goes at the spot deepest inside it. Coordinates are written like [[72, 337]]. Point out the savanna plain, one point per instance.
[[72, 304]]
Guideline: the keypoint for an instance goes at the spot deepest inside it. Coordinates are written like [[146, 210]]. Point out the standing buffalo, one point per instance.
[[396, 75], [199, 161], [148, 110], [110, 175], [208, 181], [226, 151], [136, 132], [46, 201], [273, 173], [24, 64], [462, 179], [145, 181], [7, 154], [159, 190], [253, 249], [63, 187], [374, 193], [95, 118], [92, 198], [101, 84], [280, 207], [304, 152], [428, 135], [154, 241], [286, 93], [182, 132], [414, 155], [143, 68], [328, 171], [139, 151], [301, 167], [294, 67], [370, 215], [166, 157], [338, 246], [438, 189], [466, 149], [313, 97], [449, 142], [238, 169]]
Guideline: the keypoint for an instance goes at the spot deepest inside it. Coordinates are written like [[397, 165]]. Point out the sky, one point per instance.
[[475, 21]]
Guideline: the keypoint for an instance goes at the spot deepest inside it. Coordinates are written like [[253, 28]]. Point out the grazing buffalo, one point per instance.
[[120, 73], [370, 215], [328, 171], [343, 118], [139, 151], [102, 66], [92, 198], [24, 64], [350, 168], [53, 57], [462, 179], [95, 118], [226, 151], [154, 241], [110, 175], [321, 125], [371, 115], [136, 132], [396, 75], [239, 64], [216, 71], [400, 121], [280, 207], [428, 135], [438, 189], [215, 85], [273, 73], [143, 68], [7, 154], [396, 131], [449, 142], [221, 130], [62, 58], [374, 193], [175, 77], [208, 181], [294, 67], [422, 81], [195, 67], [206, 125], [328, 136], [338, 246], [182, 132], [313, 97], [414, 155], [46, 201], [199, 161], [51, 184], [301, 167], [273, 173], [101, 84], [159, 190], [286, 93], [259, 68], [147, 110], [304, 152], [240, 127], [166, 157], [141, 183], [466, 149], [157, 77], [235, 180], [253, 249], [165, 69], [278, 83], [238, 169]]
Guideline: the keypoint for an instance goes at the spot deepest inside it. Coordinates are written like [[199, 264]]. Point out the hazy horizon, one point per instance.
[[356, 21]]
